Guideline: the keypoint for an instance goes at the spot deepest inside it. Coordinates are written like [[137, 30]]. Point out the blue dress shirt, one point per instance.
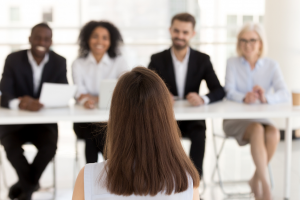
[[240, 80]]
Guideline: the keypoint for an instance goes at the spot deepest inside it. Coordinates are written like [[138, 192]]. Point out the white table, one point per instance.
[[182, 110]]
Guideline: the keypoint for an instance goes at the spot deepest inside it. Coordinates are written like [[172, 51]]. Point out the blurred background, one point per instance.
[[144, 25]]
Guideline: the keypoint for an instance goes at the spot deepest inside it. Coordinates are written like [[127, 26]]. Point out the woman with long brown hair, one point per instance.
[[145, 156]]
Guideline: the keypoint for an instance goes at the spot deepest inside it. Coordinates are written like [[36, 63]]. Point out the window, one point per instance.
[[261, 19], [231, 20], [47, 14], [177, 6], [247, 18], [15, 48], [143, 25], [231, 27], [14, 14]]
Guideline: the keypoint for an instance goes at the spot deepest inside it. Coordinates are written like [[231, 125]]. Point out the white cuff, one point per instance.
[[205, 99], [14, 104]]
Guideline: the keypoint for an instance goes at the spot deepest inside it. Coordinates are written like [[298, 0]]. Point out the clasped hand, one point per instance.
[[29, 103], [257, 93]]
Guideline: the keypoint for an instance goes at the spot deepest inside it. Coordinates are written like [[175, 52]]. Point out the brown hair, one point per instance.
[[143, 146], [186, 17]]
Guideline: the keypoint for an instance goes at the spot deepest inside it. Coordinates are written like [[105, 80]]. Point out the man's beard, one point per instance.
[[179, 47]]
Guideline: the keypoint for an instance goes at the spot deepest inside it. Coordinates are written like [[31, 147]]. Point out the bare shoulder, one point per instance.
[[196, 195], [78, 193]]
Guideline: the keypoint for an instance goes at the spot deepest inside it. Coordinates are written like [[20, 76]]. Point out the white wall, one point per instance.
[[282, 23]]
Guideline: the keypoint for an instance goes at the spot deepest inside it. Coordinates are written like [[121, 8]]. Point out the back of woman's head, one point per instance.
[[144, 152], [86, 32]]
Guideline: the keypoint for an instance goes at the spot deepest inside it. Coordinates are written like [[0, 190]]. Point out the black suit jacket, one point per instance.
[[17, 81], [17, 77], [199, 68]]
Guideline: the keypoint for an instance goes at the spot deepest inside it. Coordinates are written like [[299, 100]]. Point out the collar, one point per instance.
[[259, 63], [186, 58], [31, 59], [105, 59]]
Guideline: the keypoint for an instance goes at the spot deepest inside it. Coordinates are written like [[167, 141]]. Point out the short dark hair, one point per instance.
[[86, 32], [186, 17], [43, 25]]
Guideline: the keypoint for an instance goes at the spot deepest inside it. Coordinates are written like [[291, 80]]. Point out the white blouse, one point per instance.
[[240, 80], [88, 74], [94, 187]]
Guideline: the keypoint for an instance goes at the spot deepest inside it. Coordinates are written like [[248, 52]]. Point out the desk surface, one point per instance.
[[182, 109]]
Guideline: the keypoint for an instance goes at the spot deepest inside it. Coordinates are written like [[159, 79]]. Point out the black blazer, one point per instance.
[[199, 68], [17, 77]]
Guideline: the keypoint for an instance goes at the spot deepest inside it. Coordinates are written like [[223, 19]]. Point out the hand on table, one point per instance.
[[29, 103], [90, 101], [87, 96], [250, 97], [261, 93], [194, 99]]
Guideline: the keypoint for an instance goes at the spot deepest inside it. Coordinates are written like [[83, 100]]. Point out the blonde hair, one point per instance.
[[257, 28]]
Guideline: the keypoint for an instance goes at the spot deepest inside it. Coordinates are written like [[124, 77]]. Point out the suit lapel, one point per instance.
[[192, 68], [29, 73], [171, 74]]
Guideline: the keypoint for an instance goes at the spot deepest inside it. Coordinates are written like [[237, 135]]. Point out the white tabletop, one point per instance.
[[233, 110], [182, 109]]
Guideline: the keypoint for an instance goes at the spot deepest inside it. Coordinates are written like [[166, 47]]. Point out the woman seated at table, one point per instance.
[[99, 59], [145, 156], [252, 78]]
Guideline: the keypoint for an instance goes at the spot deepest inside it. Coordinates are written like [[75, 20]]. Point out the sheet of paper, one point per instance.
[[56, 95]]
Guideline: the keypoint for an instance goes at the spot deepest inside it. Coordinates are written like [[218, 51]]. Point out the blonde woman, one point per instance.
[[252, 78]]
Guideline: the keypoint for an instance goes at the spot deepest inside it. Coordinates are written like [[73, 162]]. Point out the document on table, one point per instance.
[[56, 95]]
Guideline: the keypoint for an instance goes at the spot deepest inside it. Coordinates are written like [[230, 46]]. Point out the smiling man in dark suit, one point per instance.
[[24, 73], [183, 68]]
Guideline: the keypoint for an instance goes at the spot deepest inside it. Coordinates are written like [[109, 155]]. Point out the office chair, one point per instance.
[[3, 177], [76, 163], [202, 182], [77, 166], [2, 172], [217, 168]]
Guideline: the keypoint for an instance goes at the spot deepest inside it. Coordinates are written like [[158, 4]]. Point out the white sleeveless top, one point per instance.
[[94, 190]]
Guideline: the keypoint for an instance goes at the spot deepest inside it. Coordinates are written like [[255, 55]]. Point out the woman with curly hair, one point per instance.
[[99, 58]]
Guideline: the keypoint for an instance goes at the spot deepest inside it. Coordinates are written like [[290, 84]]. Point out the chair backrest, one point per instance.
[[217, 127]]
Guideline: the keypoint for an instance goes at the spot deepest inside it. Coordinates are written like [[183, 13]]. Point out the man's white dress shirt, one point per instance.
[[37, 71], [180, 69], [87, 73]]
